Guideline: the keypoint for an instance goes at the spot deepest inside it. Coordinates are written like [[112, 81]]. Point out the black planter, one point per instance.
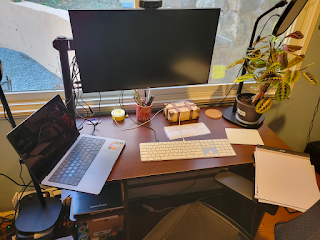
[[246, 113]]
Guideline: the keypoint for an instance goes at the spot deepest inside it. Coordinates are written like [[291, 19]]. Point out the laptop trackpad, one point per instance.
[[103, 163]]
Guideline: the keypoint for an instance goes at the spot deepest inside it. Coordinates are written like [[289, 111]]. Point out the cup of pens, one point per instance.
[[143, 107], [143, 113]]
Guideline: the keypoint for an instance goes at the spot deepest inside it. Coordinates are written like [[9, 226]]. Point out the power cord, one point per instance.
[[122, 106], [151, 209], [311, 123]]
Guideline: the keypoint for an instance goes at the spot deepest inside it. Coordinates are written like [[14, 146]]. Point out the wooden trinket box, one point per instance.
[[187, 109]]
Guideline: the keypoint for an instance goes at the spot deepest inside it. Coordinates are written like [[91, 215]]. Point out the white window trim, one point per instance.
[[23, 104]]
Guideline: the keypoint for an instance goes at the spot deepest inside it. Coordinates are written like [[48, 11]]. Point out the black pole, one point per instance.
[[6, 108], [63, 45]]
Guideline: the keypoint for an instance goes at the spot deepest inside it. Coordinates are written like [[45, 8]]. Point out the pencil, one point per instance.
[[138, 98]]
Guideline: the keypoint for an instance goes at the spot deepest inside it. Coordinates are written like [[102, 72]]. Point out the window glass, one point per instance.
[[31, 63]]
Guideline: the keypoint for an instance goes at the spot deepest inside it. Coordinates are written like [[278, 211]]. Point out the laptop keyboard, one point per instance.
[[77, 162]]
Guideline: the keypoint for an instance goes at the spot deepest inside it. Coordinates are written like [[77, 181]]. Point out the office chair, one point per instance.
[[306, 226], [201, 221]]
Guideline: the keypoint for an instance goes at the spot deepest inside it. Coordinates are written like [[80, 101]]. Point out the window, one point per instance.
[[30, 27]]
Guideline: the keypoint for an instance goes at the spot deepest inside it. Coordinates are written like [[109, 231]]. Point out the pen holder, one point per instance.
[[143, 113]]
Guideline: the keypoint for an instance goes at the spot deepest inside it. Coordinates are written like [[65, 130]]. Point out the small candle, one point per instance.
[[118, 114]]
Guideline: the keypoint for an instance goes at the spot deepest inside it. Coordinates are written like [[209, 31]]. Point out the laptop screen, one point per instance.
[[44, 137]]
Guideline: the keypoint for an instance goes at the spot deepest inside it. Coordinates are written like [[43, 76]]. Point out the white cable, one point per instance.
[[180, 128], [152, 210], [141, 123]]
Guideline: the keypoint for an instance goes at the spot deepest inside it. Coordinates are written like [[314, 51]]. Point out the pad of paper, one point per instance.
[[285, 179], [244, 136], [186, 130]]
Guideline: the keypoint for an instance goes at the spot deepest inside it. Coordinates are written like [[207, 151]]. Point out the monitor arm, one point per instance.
[[63, 45]]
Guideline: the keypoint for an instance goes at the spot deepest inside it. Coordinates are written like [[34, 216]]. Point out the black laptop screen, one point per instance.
[[44, 137]]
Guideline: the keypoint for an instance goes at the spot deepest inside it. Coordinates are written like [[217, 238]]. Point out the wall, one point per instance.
[[31, 28], [291, 119]]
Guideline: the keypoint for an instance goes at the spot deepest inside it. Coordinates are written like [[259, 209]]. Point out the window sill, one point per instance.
[[24, 104]]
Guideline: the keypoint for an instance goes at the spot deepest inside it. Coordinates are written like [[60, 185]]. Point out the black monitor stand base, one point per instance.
[[230, 116], [33, 217]]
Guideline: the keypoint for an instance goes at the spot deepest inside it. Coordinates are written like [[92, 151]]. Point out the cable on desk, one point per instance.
[[122, 106], [137, 123]]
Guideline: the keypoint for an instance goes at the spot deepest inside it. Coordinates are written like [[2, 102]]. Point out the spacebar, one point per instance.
[[173, 157]]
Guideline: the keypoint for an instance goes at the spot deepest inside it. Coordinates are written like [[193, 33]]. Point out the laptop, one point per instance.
[[57, 155]]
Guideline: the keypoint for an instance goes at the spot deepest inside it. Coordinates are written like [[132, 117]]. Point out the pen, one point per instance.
[[150, 100], [145, 96], [138, 98], [135, 99]]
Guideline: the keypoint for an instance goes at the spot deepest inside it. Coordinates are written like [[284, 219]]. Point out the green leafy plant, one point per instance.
[[271, 68]]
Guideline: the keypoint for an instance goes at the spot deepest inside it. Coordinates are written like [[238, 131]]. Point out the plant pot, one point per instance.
[[246, 113]]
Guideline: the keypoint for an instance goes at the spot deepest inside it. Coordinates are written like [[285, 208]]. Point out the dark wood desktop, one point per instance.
[[129, 165]]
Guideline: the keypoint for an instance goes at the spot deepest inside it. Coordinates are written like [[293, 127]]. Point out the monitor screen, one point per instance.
[[129, 49]]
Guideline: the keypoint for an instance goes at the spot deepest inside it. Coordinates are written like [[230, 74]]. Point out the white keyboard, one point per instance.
[[159, 151]]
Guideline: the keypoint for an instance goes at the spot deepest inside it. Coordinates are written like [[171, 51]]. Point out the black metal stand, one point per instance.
[[36, 214], [63, 45], [6, 107], [230, 113]]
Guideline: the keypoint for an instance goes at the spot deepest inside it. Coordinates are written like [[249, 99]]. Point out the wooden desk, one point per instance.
[[129, 165]]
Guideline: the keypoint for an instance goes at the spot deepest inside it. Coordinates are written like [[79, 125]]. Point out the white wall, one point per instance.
[[31, 28]]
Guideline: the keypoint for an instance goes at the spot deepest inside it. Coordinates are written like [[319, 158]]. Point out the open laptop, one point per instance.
[[47, 143]]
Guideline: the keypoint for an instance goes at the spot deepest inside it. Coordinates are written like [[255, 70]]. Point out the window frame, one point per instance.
[[23, 104]]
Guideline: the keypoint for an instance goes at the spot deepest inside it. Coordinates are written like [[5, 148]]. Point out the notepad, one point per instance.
[[244, 136], [285, 178]]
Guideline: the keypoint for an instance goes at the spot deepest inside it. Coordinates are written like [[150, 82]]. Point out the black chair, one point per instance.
[[202, 221], [306, 226]]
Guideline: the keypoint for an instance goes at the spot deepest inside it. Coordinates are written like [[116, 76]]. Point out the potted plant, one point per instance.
[[269, 66]]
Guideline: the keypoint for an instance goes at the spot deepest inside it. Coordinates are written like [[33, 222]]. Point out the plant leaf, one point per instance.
[[252, 67], [236, 63], [293, 48], [259, 63], [260, 40], [274, 66], [310, 78], [270, 78], [254, 54], [295, 61], [283, 91], [263, 105], [296, 35], [292, 76], [244, 77]]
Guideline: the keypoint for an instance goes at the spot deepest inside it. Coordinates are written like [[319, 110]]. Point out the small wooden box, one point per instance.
[[186, 109]]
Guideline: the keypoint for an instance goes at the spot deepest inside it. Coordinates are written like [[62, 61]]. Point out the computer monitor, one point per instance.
[[129, 49]]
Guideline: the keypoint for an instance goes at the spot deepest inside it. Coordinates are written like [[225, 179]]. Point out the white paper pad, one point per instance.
[[243, 136], [285, 179], [186, 130]]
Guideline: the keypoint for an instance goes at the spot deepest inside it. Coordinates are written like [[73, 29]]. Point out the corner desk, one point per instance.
[[129, 165]]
